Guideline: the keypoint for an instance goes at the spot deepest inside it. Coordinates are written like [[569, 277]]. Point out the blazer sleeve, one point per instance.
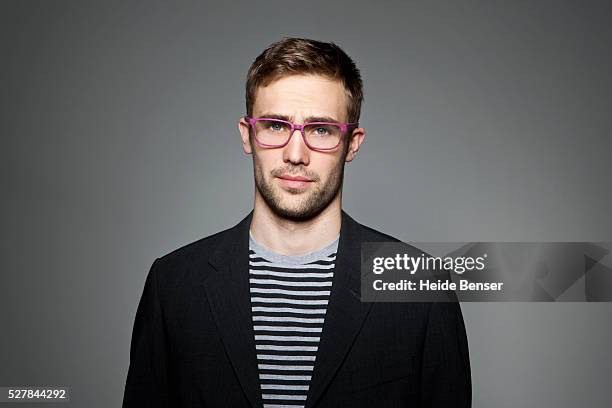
[[147, 383], [445, 371]]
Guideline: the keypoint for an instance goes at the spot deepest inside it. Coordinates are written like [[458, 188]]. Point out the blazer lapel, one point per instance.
[[345, 311], [229, 297]]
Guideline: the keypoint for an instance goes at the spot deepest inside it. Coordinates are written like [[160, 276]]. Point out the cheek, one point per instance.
[[263, 157], [266, 161], [329, 166]]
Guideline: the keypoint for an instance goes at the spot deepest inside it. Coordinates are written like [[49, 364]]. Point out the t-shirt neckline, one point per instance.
[[309, 257]]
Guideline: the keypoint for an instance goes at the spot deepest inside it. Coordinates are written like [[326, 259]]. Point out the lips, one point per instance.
[[294, 178], [294, 182]]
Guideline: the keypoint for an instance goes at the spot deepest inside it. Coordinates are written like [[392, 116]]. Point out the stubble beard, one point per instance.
[[312, 201]]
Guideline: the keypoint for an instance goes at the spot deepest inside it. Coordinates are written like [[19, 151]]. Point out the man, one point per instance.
[[268, 313]]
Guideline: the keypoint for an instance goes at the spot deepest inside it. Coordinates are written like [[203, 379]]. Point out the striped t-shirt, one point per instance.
[[289, 297]]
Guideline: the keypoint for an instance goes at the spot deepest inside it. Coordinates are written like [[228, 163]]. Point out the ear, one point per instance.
[[355, 140], [243, 128]]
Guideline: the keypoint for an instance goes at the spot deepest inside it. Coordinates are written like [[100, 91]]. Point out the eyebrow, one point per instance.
[[308, 119]]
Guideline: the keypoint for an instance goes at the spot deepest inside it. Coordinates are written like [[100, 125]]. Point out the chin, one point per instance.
[[293, 212]]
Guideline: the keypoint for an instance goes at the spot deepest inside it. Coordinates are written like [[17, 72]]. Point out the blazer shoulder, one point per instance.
[[372, 235], [369, 234], [189, 263], [199, 247]]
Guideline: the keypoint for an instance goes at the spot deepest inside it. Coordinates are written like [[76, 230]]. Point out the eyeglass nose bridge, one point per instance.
[[295, 127]]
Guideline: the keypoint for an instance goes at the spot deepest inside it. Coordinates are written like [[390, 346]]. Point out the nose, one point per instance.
[[296, 151]]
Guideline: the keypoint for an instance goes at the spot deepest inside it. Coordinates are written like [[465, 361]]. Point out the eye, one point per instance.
[[276, 126], [321, 131]]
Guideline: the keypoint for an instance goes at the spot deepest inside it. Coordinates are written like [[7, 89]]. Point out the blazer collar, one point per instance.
[[229, 297]]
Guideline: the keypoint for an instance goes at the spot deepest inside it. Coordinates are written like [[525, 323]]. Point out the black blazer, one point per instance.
[[193, 342]]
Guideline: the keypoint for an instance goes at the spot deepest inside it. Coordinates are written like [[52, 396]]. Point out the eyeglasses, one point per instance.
[[319, 136]]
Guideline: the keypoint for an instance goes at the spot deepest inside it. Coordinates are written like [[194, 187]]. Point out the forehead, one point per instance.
[[300, 96]]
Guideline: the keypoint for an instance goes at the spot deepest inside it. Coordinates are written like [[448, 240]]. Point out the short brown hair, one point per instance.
[[291, 56]]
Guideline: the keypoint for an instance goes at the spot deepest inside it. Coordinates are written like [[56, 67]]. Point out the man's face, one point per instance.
[[299, 99]]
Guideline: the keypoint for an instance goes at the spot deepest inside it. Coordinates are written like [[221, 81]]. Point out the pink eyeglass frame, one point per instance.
[[343, 128]]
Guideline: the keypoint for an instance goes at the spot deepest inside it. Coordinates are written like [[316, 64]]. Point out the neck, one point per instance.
[[288, 237]]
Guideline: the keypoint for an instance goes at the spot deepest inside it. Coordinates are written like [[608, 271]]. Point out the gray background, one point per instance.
[[486, 121]]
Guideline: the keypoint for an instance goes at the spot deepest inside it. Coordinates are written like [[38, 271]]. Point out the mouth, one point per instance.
[[294, 182]]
